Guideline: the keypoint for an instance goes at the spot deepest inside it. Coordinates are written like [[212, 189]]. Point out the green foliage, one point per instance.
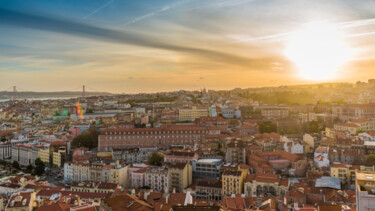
[[39, 167], [16, 165], [88, 139], [267, 127], [85, 140], [156, 99], [313, 127], [370, 161], [285, 97], [29, 168], [156, 159]]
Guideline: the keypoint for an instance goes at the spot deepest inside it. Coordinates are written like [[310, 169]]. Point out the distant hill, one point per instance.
[[30, 95]]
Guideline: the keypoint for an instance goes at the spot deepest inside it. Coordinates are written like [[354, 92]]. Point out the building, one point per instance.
[[157, 178], [190, 114], [264, 184], [346, 172], [119, 174], [208, 189], [236, 152], [179, 176], [5, 150], [164, 136], [208, 168], [354, 111], [356, 126], [275, 113], [233, 180], [21, 201], [365, 184], [321, 158], [180, 156], [94, 187], [313, 140]]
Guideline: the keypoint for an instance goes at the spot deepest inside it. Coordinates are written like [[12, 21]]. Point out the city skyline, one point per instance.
[[150, 46]]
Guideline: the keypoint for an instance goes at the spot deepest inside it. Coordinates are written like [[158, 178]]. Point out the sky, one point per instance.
[[124, 46]]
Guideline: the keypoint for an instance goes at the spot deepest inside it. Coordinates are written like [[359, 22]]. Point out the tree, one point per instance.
[[39, 167], [370, 161], [156, 159], [38, 161], [16, 165], [88, 140], [29, 168]]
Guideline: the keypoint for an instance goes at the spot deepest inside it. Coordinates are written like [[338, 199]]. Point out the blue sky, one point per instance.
[[146, 46]]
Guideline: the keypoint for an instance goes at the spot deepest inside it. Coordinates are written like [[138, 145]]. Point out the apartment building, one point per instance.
[[275, 113], [5, 150], [209, 189], [236, 152], [354, 111], [264, 184], [365, 184], [190, 114], [179, 176], [207, 168], [157, 178], [346, 172]]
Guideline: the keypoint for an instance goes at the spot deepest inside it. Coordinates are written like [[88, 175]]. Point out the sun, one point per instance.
[[318, 50]]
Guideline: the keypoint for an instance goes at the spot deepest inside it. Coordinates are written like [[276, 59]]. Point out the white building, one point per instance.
[[321, 157], [157, 178]]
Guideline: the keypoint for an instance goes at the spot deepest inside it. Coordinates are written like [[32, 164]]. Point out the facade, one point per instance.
[[207, 168], [190, 114], [264, 184], [354, 111], [44, 155], [157, 178], [356, 125], [365, 183], [179, 176], [93, 187], [162, 137], [5, 150], [180, 156], [236, 152], [22, 201], [275, 113], [233, 180], [208, 189]]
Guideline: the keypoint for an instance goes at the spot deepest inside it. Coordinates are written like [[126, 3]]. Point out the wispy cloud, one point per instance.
[[148, 15], [99, 8], [85, 30]]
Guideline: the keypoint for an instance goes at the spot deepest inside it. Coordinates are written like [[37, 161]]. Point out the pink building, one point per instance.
[[75, 131], [164, 136]]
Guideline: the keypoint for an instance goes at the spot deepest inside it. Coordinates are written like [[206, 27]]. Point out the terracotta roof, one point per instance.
[[126, 202], [54, 207]]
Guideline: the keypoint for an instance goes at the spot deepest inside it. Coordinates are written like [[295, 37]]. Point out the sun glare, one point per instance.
[[318, 50]]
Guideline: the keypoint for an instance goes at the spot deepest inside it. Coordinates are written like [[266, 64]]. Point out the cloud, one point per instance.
[[148, 15], [76, 28], [98, 9]]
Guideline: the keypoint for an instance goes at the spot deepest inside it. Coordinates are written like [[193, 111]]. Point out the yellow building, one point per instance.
[[180, 176], [365, 185], [104, 154], [58, 158], [119, 174], [356, 125], [44, 155], [233, 180], [190, 114], [346, 172]]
